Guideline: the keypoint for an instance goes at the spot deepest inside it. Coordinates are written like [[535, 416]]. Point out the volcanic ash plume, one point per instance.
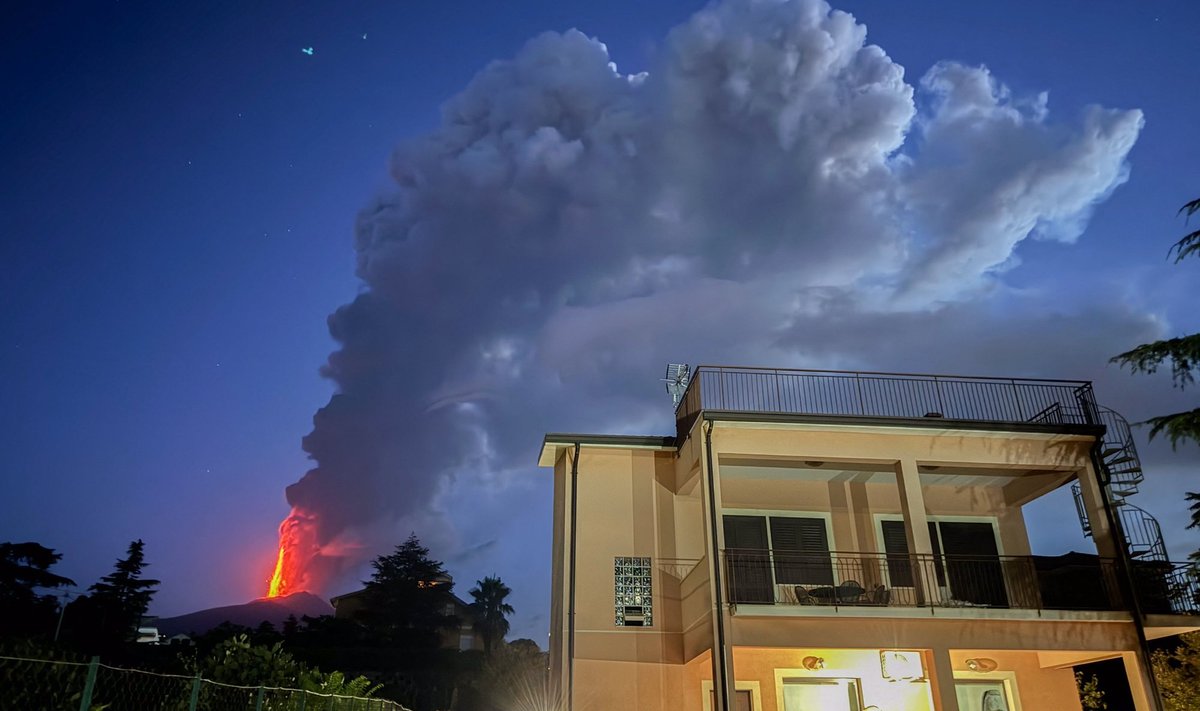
[[569, 228]]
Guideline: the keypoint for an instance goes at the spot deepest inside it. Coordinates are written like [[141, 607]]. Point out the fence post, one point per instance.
[[259, 700], [85, 700], [195, 693], [303, 699]]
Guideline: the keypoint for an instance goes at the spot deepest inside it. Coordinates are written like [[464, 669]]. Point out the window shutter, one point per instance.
[[801, 548]]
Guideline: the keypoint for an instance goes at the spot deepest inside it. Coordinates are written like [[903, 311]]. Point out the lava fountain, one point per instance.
[[297, 546]]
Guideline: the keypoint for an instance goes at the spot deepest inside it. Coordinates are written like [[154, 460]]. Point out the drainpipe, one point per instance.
[[571, 583], [1125, 564], [720, 662]]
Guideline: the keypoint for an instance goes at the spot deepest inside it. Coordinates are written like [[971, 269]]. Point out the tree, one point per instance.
[[514, 677], [409, 598], [1183, 354], [24, 568], [1091, 696], [1178, 673], [123, 596], [491, 611]]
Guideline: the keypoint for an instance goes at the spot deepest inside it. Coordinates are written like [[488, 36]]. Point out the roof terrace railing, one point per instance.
[[895, 395]]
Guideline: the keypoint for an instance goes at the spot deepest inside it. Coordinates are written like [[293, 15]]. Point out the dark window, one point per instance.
[[895, 544], [973, 563]]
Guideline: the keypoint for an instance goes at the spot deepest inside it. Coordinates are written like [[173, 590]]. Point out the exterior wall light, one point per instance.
[[900, 665], [813, 663], [981, 664]]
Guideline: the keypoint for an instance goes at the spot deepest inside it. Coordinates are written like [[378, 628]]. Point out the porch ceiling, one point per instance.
[[931, 475]]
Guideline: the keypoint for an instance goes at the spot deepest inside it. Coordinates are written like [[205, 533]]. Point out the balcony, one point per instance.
[[835, 393], [853, 582]]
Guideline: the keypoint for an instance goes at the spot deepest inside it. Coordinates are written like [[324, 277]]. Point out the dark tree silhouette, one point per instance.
[[122, 597], [24, 569], [491, 610], [1183, 355], [409, 598]]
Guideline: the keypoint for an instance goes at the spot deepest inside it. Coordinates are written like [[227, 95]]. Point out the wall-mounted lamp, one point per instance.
[[813, 663], [900, 665], [981, 664]]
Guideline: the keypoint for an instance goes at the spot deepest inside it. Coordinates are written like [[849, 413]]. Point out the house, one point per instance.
[[463, 637], [850, 542]]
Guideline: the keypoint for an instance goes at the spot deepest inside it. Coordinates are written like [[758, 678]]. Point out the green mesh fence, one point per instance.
[[74, 686]]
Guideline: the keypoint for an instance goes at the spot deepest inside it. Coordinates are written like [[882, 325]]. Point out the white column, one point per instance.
[[916, 526], [941, 681], [1139, 685], [1102, 534]]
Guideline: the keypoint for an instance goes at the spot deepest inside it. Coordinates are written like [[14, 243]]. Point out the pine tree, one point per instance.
[[491, 611], [409, 597], [123, 596]]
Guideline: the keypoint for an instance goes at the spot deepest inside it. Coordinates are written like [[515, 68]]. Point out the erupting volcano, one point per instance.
[[297, 546]]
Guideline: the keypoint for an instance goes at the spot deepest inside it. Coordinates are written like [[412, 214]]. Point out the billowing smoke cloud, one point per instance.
[[772, 191]]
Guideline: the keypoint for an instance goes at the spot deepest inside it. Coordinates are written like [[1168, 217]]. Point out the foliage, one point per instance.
[[39, 684], [122, 597], [408, 598], [1183, 354], [1091, 696], [513, 676], [1189, 243], [1178, 674], [25, 567], [491, 611], [336, 683], [239, 661]]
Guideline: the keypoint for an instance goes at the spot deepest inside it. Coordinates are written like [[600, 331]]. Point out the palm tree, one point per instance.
[[491, 611]]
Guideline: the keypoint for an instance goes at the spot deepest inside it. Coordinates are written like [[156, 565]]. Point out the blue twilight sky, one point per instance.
[[179, 188]]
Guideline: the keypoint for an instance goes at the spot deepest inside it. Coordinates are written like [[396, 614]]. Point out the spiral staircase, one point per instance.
[[1121, 473]]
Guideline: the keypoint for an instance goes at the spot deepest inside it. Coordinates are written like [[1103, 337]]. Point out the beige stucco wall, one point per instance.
[[1037, 687], [626, 507], [645, 502], [608, 685]]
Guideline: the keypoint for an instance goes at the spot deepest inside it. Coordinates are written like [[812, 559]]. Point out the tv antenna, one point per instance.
[[677, 380]]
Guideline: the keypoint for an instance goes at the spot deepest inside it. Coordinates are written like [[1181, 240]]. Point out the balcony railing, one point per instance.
[[857, 580], [1166, 587], [897, 395]]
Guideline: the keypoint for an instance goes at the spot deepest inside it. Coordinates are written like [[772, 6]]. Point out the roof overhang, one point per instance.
[[554, 443]]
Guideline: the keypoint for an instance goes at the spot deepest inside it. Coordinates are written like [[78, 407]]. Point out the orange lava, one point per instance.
[[297, 547], [277, 585]]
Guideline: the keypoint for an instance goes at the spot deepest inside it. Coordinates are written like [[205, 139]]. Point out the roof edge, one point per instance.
[[556, 440]]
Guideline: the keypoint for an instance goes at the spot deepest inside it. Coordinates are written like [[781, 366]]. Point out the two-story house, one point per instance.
[[839, 541]]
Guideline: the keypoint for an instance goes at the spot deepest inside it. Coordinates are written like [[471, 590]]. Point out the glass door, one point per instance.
[[982, 696], [821, 695]]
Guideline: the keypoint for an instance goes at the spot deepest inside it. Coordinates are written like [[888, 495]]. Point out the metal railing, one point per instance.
[[1167, 588], [70, 686], [765, 577], [899, 395]]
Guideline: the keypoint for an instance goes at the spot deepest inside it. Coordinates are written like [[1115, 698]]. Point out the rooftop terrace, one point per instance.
[[897, 396]]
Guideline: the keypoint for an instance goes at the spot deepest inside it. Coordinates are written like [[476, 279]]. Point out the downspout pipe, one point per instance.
[[1125, 564], [571, 582], [720, 662]]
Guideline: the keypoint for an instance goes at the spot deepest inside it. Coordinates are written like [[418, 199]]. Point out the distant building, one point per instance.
[[348, 605], [846, 541]]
